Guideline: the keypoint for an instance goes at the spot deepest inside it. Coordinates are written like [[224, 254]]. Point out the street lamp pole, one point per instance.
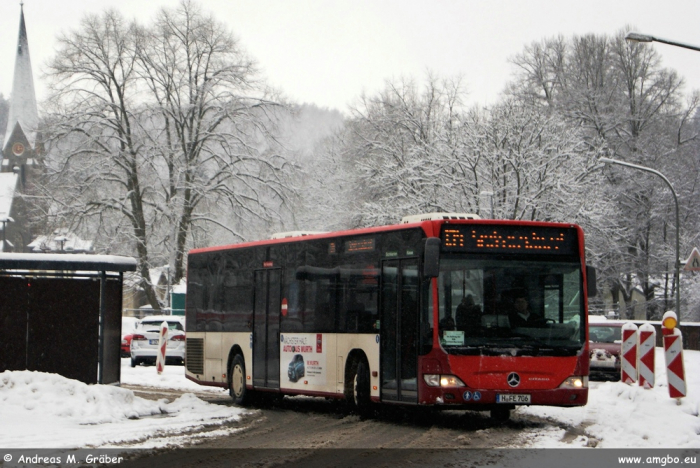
[[677, 277], [167, 292], [637, 37]]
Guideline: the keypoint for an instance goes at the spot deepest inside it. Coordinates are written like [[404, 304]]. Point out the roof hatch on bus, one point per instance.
[[437, 216], [284, 235]]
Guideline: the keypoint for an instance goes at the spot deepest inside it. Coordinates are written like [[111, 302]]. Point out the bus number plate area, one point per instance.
[[513, 398]]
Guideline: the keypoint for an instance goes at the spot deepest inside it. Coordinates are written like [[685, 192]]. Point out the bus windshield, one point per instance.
[[510, 307]]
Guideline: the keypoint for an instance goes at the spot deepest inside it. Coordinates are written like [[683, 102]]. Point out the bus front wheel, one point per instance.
[[237, 388]]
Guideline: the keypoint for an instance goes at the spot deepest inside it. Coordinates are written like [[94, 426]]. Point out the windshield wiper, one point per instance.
[[529, 344]]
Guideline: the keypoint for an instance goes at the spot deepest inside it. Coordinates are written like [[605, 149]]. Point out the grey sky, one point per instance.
[[328, 52]]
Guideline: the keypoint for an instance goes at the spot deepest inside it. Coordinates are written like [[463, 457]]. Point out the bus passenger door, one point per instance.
[[266, 327], [399, 330]]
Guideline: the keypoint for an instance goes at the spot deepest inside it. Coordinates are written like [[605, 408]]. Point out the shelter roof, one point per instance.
[[64, 262]]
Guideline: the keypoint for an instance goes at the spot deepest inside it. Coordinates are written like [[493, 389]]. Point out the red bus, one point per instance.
[[427, 312]]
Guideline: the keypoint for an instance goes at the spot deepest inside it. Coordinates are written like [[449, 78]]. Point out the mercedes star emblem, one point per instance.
[[513, 379]]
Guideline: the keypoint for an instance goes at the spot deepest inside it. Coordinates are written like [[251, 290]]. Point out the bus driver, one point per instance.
[[522, 316]]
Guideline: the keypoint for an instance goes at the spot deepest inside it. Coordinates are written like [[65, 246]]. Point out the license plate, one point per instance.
[[153, 342], [606, 364], [513, 398]]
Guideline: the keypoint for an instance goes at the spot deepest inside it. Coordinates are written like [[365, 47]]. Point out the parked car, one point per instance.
[[605, 346], [126, 345], [128, 326], [144, 341]]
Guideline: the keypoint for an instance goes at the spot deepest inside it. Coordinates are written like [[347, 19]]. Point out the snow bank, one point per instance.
[[50, 411], [628, 416]]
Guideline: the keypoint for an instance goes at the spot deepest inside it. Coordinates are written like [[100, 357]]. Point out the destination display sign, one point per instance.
[[509, 239], [359, 245]]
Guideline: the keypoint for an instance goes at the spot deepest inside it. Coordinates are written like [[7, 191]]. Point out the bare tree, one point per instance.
[[210, 126], [398, 143], [417, 151], [629, 107], [96, 134], [530, 161], [164, 126]]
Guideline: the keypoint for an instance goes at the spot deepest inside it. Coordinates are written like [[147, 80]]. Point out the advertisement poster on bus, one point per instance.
[[304, 359]]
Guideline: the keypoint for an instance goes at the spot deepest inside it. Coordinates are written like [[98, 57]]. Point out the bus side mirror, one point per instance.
[[431, 258], [591, 281]]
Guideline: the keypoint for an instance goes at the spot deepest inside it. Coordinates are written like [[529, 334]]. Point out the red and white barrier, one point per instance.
[[162, 345], [673, 351], [629, 353], [647, 348]]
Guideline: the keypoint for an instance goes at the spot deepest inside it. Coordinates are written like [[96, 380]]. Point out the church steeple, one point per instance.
[[23, 118], [21, 161]]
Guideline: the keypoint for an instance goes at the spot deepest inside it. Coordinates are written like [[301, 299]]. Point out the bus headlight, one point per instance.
[[575, 382], [437, 380]]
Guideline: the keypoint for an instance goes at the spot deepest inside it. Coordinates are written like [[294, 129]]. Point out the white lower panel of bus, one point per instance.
[[319, 369], [315, 362]]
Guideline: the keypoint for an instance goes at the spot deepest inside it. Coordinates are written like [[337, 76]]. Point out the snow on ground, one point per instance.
[[624, 416], [50, 411], [172, 377]]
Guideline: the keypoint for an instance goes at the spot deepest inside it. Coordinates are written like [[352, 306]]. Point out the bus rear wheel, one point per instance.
[[237, 389], [360, 388]]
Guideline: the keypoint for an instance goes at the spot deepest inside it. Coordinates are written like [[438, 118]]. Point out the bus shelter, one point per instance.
[[61, 313]]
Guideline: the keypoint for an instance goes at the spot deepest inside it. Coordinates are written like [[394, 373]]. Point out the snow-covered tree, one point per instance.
[[530, 162], [209, 128], [421, 150], [96, 134], [628, 107], [398, 143], [157, 130]]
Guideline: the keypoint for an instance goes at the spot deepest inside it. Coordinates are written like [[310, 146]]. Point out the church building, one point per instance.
[[20, 161]]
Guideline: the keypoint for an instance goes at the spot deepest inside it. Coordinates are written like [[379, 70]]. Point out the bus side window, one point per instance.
[[291, 322], [322, 307], [358, 305], [351, 309], [309, 313]]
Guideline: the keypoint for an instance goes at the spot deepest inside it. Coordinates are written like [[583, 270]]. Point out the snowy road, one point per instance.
[[166, 412], [288, 431]]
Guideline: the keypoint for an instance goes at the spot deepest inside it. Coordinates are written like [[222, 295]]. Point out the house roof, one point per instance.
[[61, 240]]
